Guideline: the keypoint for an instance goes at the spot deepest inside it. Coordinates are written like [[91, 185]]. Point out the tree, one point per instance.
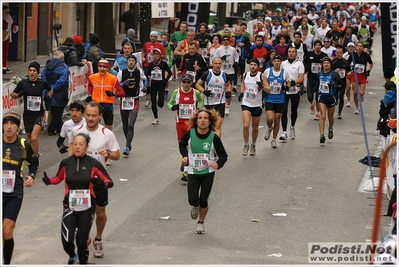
[[104, 26]]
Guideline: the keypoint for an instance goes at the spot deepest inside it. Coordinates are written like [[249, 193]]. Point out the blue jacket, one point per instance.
[[119, 64], [56, 73]]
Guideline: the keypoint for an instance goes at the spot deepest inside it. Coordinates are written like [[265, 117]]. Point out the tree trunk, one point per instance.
[[104, 26]]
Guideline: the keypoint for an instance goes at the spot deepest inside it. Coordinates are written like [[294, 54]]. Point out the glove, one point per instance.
[[293, 83], [207, 92], [240, 97], [175, 107], [88, 99], [45, 179], [126, 83], [368, 73], [223, 57], [21, 93], [47, 99], [286, 88], [235, 65], [97, 182], [63, 149], [228, 94], [109, 93], [259, 84]]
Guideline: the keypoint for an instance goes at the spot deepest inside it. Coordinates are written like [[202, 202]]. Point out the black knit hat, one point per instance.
[[94, 39], [35, 65]]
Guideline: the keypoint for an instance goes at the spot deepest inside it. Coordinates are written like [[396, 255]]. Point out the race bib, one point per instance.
[[217, 93], [260, 59], [204, 52], [293, 90], [359, 68], [192, 73], [8, 179], [128, 103], [201, 162], [316, 67], [79, 199], [156, 75], [275, 87], [150, 58], [342, 73], [185, 111], [227, 65], [250, 93], [324, 88], [34, 103]]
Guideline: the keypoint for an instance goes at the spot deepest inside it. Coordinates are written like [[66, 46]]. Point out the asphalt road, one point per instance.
[[315, 185]]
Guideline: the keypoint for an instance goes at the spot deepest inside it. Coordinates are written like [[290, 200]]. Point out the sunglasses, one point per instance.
[[225, 39], [186, 81]]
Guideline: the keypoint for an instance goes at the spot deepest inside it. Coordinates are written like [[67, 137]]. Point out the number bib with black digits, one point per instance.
[[79, 199], [185, 111], [128, 103], [201, 162], [8, 181], [34, 103]]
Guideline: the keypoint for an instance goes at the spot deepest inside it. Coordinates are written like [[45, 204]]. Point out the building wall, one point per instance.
[[31, 34]]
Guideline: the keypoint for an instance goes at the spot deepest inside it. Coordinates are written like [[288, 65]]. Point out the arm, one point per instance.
[[183, 143], [178, 51], [265, 83], [221, 153], [199, 84], [168, 72], [102, 174], [119, 90], [31, 160], [115, 68], [172, 99], [62, 80], [60, 175], [200, 102]]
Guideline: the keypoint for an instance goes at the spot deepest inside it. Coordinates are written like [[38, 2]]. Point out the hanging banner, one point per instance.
[[79, 82], [163, 9], [389, 34], [194, 14]]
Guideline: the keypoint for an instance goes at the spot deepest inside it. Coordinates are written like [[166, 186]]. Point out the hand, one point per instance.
[[63, 149], [45, 179], [175, 107], [51, 92], [293, 83], [207, 92], [109, 93], [29, 181], [88, 99], [259, 84], [368, 73], [126, 83], [21, 93], [47, 99], [223, 57], [228, 94], [240, 97], [97, 182]]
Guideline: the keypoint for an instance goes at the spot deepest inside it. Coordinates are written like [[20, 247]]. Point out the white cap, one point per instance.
[[350, 44]]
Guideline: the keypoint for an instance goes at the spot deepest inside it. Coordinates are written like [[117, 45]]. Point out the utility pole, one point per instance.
[[145, 22]]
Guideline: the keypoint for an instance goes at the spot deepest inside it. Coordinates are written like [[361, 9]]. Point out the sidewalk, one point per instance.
[[21, 68]]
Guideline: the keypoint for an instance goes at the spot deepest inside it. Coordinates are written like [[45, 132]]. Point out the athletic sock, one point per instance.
[[7, 250]]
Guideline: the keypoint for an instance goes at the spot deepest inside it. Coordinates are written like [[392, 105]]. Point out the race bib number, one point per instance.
[[204, 52], [128, 103], [260, 59], [156, 75], [150, 58], [201, 162], [185, 111], [217, 93], [324, 88], [275, 87], [316, 67], [8, 179], [359, 68], [192, 73], [227, 65], [250, 93], [79, 199], [34, 103], [342, 73], [293, 90]]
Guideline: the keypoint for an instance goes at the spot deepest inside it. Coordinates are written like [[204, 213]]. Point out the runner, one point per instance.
[[16, 151], [81, 174], [203, 148], [340, 66], [103, 146]]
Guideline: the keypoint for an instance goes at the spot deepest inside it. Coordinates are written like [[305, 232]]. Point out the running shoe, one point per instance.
[[200, 228], [267, 133], [312, 105], [330, 133], [322, 138], [109, 162], [235, 88], [362, 98], [184, 177], [348, 104], [7, 71], [194, 212], [339, 116], [182, 167], [284, 136], [245, 150], [126, 151], [73, 260], [227, 110], [252, 151], [155, 122], [98, 249], [166, 94], [147, 103], [356, 111], [316, 117], [274, 143], [292, 132]]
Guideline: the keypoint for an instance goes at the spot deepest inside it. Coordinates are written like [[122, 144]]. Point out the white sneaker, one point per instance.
[[155, 122], [200, 228], [109, 162], [292, 132], [98, 246], [267, 133], [227, 110], [147, 103], [284, 136], [252, 151], [245, 150], [348, 104], [274, 143], [356, 111]]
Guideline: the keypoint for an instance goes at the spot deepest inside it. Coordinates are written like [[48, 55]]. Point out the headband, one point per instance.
[[13, 119], [77, 106]]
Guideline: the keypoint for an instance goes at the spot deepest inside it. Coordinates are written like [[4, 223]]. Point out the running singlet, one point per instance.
[[200, 153], [216, 84], [252, 93]]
